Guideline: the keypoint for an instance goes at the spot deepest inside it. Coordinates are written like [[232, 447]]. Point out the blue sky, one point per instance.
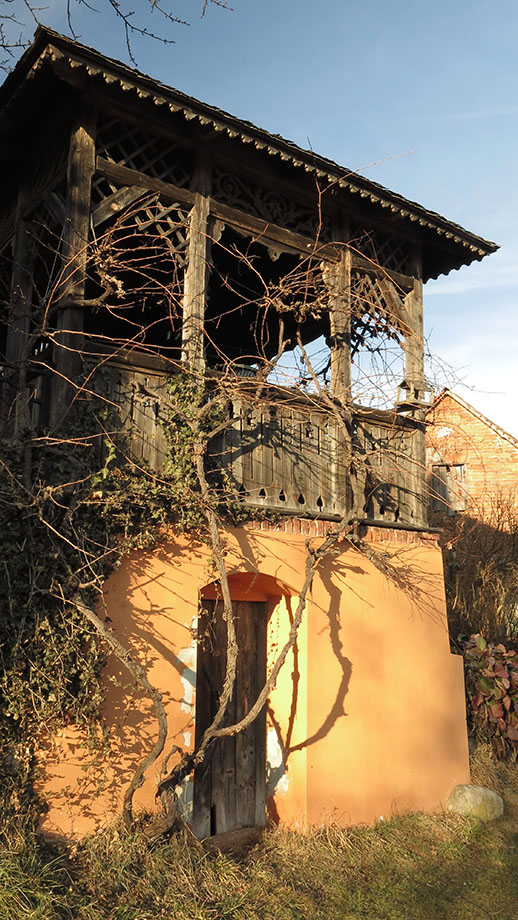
[[421, 96]]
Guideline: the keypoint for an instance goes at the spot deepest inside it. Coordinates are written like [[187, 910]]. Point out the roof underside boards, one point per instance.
[[445, 245]]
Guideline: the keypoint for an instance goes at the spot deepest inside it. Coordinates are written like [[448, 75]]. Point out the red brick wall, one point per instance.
[[368, 534], [457, 436]]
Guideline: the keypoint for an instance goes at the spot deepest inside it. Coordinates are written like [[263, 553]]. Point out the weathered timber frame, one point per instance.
[[129, 138], [70, 323]]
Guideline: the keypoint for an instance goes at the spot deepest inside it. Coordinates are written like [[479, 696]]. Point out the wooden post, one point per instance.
[[414, 344], [19, 322], [338, 280], [415, 385], [69, 339], [196, 276], [339, 283]]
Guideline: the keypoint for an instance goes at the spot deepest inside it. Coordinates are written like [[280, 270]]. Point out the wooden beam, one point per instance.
[[338, 279], [124, 176], [337, 276], [114, 204], [19, 320], [68, 337], [260, 229], [414, 343], [197, 273], [415, 385]]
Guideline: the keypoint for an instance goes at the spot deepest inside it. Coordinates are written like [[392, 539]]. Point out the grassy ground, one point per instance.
[[413, 867]]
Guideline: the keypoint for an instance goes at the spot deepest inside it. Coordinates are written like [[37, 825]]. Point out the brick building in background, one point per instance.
[[472, 463], [472, 475]]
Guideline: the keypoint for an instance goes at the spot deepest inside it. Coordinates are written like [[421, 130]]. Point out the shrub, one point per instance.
[[492, 694]]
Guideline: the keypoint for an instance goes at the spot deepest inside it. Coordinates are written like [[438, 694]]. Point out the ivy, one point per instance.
[[61, 538]]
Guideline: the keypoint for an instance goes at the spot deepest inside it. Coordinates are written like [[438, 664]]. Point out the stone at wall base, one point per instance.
[[475, 801]]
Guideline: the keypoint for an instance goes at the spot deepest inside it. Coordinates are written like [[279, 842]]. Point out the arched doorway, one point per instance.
[[230, 786]]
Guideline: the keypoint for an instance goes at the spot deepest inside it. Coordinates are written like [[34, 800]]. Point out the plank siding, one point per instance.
[[279, 454]]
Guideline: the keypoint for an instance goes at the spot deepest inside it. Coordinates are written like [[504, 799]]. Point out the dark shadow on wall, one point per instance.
[[337, 710], [130, 720]]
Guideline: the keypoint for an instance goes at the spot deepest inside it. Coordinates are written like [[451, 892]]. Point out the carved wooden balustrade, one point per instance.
[[281, 450]]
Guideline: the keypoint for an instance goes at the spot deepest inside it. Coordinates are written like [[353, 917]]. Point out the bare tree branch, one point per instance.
[[141, 681]]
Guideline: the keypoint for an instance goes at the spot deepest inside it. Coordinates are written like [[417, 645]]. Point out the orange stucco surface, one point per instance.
[[367, 718]]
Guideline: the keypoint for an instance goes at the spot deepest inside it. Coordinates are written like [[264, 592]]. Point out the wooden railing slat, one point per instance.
[[277, 455]]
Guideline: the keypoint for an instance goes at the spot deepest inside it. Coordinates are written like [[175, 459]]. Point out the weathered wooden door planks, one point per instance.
[[229, 787]]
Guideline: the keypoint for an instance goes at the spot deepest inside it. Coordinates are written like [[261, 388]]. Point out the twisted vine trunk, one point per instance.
[[141, 680]]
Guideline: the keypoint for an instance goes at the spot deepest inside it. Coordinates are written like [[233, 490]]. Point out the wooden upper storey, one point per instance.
[[139, 224]]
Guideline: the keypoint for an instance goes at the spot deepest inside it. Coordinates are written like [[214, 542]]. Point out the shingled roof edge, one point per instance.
[[46, 38]]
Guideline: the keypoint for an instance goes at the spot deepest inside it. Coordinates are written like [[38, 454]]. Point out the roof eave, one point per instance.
[[51, 44]]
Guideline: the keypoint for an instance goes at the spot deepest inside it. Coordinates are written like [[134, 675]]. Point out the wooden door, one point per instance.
[[229, 786]]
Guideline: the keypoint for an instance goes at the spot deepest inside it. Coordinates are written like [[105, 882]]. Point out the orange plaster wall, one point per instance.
[[153, 614], [399, 740], [377, 724], [287, 721]]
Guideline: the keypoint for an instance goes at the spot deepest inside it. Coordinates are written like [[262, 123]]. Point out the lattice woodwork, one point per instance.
[[387, 250], [152, 222], [126, 144], [46, 226], [277, 209], [42, 174], [6, 268], [49, 214], [373, 311], [47, 171], [137, 267]]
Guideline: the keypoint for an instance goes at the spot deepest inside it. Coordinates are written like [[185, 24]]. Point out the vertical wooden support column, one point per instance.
[[19, 323], [339, 283], [338, 279], [415, 385], [414, 344], [196, 276], [69, 339]]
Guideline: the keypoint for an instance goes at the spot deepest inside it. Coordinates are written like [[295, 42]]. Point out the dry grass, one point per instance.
[[413, 867]]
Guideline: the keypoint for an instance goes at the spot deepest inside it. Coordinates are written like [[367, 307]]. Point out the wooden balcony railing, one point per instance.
[[389, 468], [284, 454], [283, 451]]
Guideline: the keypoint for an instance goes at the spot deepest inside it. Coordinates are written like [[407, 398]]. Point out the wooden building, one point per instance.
[[144, 233]]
